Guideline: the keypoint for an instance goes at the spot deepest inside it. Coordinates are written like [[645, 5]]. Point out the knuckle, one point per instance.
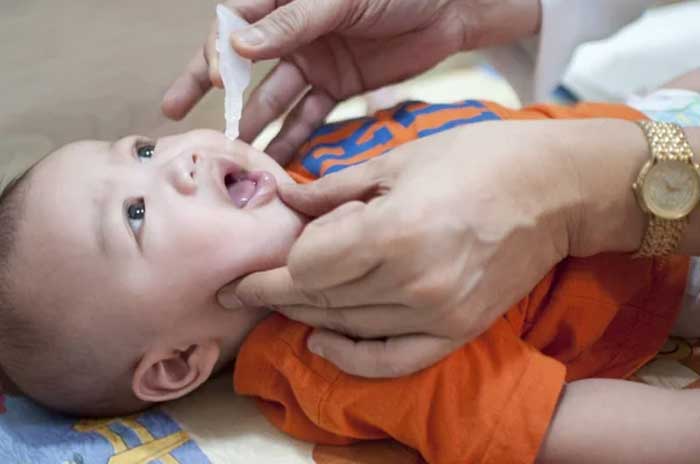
[[322, 192], [272, 101], [252, 296], [380, 172], [316, 298], [282, 146], [290, 17], [385, 366], [337, 322], [365, 261], [427, 290]]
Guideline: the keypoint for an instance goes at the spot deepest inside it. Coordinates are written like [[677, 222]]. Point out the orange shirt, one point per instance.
[[492, 400]]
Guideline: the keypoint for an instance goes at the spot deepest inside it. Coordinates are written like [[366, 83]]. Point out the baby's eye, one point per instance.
[[135, 214], [145, 151]]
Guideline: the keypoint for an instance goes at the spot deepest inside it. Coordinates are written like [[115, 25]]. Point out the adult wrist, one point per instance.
[[606, 156], [499, 22]]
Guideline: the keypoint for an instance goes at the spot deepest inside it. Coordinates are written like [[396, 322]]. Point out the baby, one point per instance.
[[116, 252], [112, 254]]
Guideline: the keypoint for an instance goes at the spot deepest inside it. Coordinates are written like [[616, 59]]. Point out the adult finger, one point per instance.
[[337, 249], [254, 10], [318, 266], [271, 288], [271, 98], [393, 357], [300, 123], [318, 261], [290, 26], [261, 289], [211, 55], [357, 321], [187, 89], [363, 182]]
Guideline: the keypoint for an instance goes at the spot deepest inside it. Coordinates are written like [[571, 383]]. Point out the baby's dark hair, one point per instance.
[[11, 324], [41, 365]]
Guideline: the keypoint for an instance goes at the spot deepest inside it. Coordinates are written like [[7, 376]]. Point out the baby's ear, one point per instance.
[[164, 375]]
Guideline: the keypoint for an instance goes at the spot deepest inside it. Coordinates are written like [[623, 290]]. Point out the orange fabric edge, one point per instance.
[[540, 389]]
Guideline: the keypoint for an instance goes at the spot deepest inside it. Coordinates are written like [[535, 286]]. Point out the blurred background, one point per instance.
[[97, 69]]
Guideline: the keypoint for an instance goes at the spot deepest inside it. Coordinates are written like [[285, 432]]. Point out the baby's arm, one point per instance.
[[617, 421], [687, 81]]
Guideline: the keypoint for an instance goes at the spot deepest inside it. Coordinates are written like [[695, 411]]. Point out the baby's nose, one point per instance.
[[182, 172]]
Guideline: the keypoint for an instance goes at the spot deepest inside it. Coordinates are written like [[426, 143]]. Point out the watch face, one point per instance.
[[671, 189]]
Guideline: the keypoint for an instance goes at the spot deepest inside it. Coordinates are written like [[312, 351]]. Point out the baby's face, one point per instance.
[[140, 235]]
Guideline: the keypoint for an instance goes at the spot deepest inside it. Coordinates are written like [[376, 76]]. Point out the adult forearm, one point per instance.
[[607, 156], [616, 421]]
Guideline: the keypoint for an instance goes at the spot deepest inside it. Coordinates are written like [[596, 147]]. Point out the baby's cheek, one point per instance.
[[215, 255], [213, 247]]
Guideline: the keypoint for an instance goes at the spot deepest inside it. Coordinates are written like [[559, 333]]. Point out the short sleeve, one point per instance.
[[489, 402]]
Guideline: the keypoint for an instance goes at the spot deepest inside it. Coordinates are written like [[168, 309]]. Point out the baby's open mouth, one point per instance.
[[250, 189]]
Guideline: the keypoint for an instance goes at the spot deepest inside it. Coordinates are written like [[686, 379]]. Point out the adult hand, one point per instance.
[[334, 49], [426, 246]]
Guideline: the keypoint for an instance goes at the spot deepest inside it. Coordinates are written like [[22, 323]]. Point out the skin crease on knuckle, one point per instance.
[[470, 15], [381, 179], [356, 361], [359, 11], [256, 296], [305, 119], [337, 322], [273, 101], [293, 16], [391, 363], [316, 298]]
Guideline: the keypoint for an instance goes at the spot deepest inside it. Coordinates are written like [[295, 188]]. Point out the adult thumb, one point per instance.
[[289, 27], [357, 183], [392, 357]]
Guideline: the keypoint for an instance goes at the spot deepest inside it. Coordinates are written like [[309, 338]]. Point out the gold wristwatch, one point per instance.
[[667, 188]]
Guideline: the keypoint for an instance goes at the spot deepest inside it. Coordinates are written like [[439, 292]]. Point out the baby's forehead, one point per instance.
[[80, 148], [58, 209], [71, 166], [68, 156]]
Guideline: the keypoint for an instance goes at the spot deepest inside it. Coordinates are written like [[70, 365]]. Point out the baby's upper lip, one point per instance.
[[225, 167]]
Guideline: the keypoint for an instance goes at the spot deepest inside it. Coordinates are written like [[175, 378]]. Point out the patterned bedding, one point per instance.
[[214, 426]]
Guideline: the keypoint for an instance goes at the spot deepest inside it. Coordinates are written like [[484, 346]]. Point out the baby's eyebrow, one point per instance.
[[118, 147], [100, 203]]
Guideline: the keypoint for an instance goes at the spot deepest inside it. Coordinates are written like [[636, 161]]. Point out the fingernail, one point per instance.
[[251, 36], [229, 301]]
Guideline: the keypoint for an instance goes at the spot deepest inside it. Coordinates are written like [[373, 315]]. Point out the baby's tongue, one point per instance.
[[241, 192]]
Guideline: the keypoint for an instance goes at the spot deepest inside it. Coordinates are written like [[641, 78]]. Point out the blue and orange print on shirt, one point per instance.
[[335, 146]]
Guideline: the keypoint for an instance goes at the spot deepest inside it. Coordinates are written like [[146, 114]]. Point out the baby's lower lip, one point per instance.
[[249, 190]]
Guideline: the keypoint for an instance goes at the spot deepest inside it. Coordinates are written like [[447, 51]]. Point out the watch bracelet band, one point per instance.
[[666, 141], [662, 237]]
